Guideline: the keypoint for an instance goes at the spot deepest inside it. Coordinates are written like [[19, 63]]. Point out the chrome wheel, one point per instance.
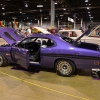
[[1, 60], [65, 67]]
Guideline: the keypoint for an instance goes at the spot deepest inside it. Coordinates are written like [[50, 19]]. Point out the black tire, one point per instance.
[[3, 61], [65, 67]]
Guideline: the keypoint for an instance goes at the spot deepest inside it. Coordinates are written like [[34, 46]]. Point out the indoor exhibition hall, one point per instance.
[[49, 49]]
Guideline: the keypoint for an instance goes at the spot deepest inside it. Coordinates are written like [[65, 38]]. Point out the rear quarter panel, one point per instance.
[[82, 58]]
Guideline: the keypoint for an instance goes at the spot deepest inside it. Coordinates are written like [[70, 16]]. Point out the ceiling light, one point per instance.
[[61, 15], [39, 5], [31, 20], [89, 15], [64, 9], [45, 18], [89, 4], [3, 14], [88, 12], [26, 5], [40, 10], [3, 8], [56, 3], [88, 8], [86, 1], [20, 11]]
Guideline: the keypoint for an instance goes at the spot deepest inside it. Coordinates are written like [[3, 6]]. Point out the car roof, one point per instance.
[[60, 42], [45, 35], [68, 30]]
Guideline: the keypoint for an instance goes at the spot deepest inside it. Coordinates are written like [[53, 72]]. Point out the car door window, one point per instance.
[[47, 43], [95, 33], [25, 41]]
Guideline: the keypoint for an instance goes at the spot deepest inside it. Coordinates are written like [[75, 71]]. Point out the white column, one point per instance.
[[81, 22], [38, 23], [52, 12], [74, 21], [41, 21], [58, 23]]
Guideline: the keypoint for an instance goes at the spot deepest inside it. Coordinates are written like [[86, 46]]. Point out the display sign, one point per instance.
[[70, 19]]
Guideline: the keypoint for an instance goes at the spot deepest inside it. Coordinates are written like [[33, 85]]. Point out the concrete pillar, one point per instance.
[[81, 22], [58, 23], [52, 12], [74, 21], [84, 27], [38, 23], [21, 23], [41, 21]]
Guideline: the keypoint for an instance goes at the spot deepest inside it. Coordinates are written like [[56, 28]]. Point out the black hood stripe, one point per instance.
[[72, 56]]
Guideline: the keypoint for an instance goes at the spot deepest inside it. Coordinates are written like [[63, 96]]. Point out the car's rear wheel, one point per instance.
[[65, 67], [3, 61]]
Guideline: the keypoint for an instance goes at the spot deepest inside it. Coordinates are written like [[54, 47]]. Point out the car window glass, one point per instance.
[[38, 40], [47, 43], [73, 34], [95, 33], [70, 34], [27, 40]]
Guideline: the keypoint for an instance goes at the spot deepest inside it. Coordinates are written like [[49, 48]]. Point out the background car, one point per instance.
[[93, 36], [47, 50]]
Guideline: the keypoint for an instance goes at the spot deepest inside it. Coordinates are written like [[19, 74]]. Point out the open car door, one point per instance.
[[20, 56]]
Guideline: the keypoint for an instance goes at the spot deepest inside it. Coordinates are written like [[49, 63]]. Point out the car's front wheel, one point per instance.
[[3, 61], [65, 67]]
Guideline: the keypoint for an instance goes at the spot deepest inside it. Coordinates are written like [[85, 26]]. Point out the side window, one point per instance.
[[95, 33], [39, 40], [65, 34], [73, 34], [25, 41], [47, 43]]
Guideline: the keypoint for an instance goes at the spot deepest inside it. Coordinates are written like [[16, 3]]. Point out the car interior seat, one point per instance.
[[44, 43], [35, 54], [49, 43]]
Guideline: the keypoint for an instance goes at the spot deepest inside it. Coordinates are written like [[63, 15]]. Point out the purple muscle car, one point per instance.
[[47, 50]]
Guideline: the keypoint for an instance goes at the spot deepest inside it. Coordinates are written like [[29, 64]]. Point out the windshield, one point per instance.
[[71, 41], [67, 39]]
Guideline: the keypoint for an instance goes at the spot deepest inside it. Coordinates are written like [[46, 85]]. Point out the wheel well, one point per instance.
[[4, 56], [63, 59]]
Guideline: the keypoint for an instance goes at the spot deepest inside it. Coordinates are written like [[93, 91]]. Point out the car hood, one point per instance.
[[86, 32], [10, 35]]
